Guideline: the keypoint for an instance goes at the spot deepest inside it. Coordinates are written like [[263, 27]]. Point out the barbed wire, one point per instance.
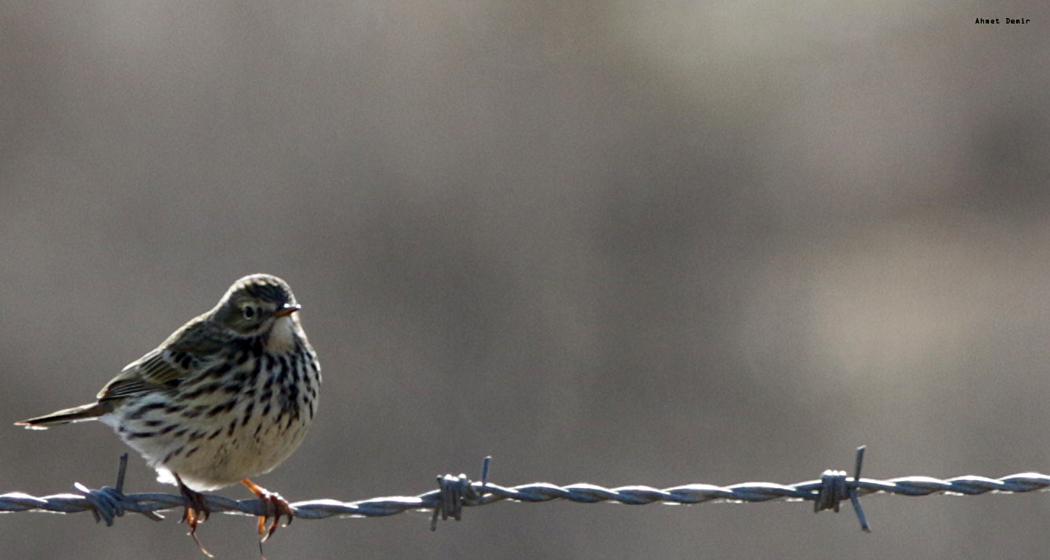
[[456, 492]]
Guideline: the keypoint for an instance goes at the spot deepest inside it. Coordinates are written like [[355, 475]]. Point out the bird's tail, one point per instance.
[[80, 413]]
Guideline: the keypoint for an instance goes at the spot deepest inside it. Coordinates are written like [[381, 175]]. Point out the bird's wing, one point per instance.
[[189, 350]]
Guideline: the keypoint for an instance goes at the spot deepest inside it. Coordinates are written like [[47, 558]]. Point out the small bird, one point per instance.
[[227, 397]]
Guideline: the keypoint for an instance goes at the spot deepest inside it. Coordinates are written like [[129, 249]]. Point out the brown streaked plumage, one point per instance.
[[227, 397]]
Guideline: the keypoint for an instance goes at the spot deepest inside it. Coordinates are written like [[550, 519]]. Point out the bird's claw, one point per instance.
[[197, 512], [276, 507]]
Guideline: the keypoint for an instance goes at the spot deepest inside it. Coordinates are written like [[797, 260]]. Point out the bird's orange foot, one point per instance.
[[276, 507], [196, 512]]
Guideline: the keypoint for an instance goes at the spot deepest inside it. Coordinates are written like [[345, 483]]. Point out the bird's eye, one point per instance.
[[249, 312]]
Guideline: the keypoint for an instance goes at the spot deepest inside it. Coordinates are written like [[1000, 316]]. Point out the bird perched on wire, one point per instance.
[[227, 397]]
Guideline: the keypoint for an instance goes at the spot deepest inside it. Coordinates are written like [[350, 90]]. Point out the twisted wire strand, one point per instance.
[[456, 492]]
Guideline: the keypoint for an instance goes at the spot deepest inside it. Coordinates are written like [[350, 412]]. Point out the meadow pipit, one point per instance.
[[226, 397]]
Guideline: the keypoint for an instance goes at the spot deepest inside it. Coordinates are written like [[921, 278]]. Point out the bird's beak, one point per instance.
[[287, 309]]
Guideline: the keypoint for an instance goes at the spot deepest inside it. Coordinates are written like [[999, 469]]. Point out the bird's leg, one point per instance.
[[278, 505], [196, 511]]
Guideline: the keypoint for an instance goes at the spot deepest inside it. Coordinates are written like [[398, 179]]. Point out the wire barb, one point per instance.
[[853, 497], [457, 491], [106, 503], [835, 486]]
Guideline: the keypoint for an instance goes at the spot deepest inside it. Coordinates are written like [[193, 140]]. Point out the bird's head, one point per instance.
[[254, 304]]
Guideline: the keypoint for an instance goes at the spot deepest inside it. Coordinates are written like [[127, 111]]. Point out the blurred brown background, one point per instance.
[[627, 242]]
